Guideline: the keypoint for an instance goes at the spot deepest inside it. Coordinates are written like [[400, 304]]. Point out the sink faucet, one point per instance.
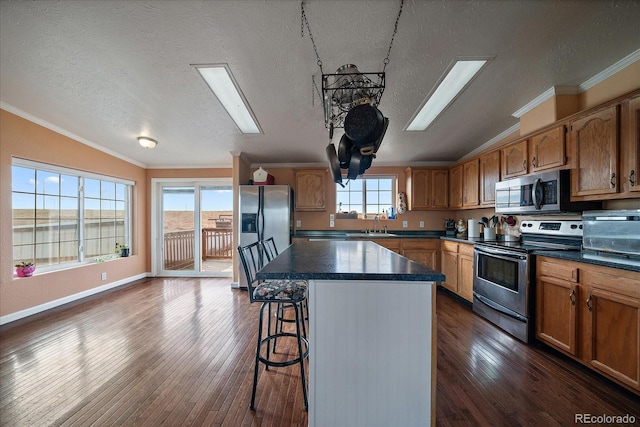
[[375, 218]]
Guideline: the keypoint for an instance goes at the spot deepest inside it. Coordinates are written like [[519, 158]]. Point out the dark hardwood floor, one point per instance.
[[179, 352]]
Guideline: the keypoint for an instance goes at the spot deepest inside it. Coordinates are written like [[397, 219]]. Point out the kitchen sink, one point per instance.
[[372, 235]]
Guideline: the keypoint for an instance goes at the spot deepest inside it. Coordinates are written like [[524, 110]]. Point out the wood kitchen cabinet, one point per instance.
[[595, 139], [471, 183], [422, 251], [310, 190], [457, 266], [391, 244], [631, 147], [515, 159], [455, 187], [489, 175], [591, 313], [547, 149], [427, 188]]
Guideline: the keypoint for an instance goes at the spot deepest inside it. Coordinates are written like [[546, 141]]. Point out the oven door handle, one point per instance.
[[486, 301], [499, 253]]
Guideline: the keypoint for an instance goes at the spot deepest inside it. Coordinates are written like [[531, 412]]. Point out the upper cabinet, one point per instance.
[[515, 159], [427, 188], [489, 175], [547, 149], [455, 187], [595, 139], [310, 190], [631, 146], [471, 183]]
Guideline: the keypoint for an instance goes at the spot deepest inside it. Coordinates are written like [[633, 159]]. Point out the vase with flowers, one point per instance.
[[25, 269]]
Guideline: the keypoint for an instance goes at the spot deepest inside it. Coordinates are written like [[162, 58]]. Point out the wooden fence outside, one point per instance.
[[178, 247]]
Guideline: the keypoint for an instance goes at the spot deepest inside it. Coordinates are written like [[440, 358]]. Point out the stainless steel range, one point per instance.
[[503, 284]]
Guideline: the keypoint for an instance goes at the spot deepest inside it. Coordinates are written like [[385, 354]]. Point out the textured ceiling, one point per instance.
[[109, 71]]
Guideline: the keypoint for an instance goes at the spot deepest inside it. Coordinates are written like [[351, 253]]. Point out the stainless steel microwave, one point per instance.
[[546, 193]]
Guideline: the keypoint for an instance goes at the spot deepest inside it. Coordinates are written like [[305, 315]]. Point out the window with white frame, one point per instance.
[[63, 216], [368, 196]]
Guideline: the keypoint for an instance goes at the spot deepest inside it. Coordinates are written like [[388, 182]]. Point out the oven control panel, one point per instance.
[[552, 227]]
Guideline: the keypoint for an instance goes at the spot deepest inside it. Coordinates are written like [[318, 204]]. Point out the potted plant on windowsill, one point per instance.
[[123, 249], [25, 269]]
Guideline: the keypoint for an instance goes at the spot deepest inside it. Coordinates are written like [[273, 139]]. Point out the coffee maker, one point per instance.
[[450, 227]]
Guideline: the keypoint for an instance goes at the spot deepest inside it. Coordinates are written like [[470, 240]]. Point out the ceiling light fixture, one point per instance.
[[147, 142], [226, 89], [459, 75]]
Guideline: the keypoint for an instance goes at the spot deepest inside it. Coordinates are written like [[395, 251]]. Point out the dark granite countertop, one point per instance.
[[343, 234], [579, 256], [345, 260]]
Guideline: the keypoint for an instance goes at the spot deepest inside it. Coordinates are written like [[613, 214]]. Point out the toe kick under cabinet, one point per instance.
[[592, 314]]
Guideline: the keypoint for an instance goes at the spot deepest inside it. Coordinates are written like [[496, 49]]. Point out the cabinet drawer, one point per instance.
[[449, 246], [420, 243], [568, 272], [613, 280], [465, 249]]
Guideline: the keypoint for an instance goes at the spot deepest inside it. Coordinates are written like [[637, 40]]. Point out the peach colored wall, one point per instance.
[[621, 83], [24, 139], [538, 117]]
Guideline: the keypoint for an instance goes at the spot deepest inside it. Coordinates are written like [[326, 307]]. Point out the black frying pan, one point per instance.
[[334, 164], [363, 124], [345, 148]]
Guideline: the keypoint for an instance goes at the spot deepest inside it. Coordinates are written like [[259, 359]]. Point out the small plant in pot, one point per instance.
[[25, 269], [123, 249]]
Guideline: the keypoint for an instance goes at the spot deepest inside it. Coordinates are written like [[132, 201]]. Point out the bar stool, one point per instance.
[[270, 292], [271, 251]]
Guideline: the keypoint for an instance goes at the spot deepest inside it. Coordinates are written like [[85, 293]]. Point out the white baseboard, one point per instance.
[[61, 301], [235, 285]]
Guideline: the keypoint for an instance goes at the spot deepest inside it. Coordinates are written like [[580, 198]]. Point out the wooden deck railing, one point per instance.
[[178, 246]]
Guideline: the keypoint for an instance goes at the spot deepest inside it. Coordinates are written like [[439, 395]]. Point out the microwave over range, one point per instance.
[[546, 193]]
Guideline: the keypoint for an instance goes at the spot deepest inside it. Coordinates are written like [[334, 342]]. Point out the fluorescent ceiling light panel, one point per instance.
[[450, 86], [224, 86]]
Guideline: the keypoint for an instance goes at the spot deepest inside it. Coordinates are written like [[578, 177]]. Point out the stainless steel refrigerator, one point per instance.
[[265, 211]]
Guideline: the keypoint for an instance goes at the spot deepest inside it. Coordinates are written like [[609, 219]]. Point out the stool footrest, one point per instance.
[[290, 362]]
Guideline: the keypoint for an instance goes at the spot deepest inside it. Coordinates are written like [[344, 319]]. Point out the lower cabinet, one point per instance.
[[457, 266], [591, 313], [391, 244], [422, 251]]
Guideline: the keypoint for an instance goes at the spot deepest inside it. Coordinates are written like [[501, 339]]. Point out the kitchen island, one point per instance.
[[372, 358]]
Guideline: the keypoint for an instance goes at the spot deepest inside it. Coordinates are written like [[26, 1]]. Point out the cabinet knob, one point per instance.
[[524, 165], [589, 303], [572, 297], [534, 162], [632, 177], [613, 183]]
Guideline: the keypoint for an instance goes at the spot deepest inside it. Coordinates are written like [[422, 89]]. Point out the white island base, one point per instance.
[[372, 359]]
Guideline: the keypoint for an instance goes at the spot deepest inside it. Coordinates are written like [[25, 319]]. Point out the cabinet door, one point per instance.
[[449, 268], [471, 183], [595, 139], [515, 159], [632, 129], [455, 187], [489, 175], [310, 192], [439, 189], [611, 328], [391, 244], [556, 322], [423, 252], [547, 149], [418, 185], [465, 277]]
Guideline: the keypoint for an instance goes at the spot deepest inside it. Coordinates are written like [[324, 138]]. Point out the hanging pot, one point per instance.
[[384, 130], [365, 163], [334, 164], [363, 125], [354, 165], [345, 148]]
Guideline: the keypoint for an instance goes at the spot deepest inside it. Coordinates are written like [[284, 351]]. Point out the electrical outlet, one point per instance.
[[421, 224], [298, 223], [331, 223], [103, 276], [332, 217], [405, 224]]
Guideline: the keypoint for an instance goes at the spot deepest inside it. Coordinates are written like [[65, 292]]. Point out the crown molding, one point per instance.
[[610, 71], [502, 135]]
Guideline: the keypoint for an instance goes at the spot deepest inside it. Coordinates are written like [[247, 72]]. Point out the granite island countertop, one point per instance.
[[345, 260]]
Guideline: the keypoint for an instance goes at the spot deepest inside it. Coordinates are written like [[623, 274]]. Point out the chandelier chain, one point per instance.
[[393, 36], [304, 22]]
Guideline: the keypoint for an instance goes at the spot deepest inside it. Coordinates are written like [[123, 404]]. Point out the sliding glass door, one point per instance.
[[193, 232]]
